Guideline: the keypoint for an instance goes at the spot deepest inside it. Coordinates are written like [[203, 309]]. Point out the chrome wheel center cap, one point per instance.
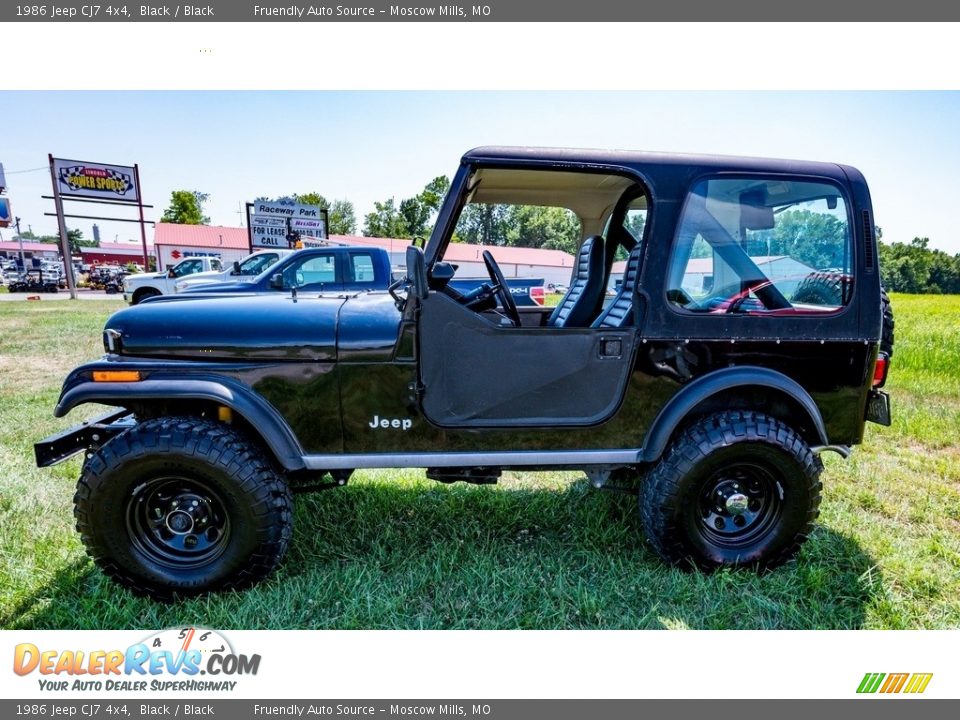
[[737, 504], [180, 522]]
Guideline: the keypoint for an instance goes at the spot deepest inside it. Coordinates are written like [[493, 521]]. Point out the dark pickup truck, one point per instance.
[[748, 335], [320, 270]]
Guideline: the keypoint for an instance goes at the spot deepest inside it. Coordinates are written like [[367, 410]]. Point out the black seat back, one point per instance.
[[619, 313], [579, 305]]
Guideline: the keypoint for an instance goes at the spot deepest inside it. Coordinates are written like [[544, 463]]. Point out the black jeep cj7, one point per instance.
[[746, 334]]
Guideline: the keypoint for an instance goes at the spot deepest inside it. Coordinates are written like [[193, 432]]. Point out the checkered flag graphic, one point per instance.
[[68, 176]]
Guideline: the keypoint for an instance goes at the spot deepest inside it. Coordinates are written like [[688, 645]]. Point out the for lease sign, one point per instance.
[[270, 222]]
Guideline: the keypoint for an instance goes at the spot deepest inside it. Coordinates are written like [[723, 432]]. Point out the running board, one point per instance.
[[559, 459]]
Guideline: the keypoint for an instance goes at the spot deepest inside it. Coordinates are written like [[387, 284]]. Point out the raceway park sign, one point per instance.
[[76, 178], [270, 222]]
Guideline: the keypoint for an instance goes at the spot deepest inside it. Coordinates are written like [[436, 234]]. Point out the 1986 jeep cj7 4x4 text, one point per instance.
[[748, 333]]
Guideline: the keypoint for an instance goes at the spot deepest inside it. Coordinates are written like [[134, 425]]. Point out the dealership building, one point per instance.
[[174, 242]]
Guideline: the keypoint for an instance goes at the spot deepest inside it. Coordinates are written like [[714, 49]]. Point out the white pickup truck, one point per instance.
[[245, 270], [143, 285]]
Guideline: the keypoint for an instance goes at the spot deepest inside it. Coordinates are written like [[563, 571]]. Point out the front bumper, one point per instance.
[[89, 434]]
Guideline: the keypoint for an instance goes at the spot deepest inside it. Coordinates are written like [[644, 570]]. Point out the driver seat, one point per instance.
[[579, 305], [619, 313]]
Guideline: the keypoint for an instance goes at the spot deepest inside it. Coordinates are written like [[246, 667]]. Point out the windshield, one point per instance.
[[258, 263]]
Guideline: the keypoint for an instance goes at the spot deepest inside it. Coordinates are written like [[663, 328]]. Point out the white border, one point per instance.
[[482, 56]]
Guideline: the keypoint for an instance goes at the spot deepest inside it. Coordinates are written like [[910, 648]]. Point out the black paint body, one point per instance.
[[316, 373]]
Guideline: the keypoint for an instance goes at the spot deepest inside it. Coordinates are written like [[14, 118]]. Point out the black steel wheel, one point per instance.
[[734, 489], [183, 506], [180, 522]]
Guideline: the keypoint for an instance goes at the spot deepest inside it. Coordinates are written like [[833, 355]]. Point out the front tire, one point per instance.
[[140, 295], [183, 506], [734, 489]]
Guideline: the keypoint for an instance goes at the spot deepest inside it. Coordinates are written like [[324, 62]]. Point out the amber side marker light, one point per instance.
[[116, 376]]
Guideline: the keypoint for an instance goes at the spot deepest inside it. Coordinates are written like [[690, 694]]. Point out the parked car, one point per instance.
[[326, 269], [245, 270], [137, 288], [714, 420]]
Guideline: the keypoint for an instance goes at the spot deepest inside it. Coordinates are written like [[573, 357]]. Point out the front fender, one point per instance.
[[261, 415], [706, 386]]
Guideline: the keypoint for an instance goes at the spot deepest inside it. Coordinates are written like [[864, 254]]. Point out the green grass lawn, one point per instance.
[[394, 550]]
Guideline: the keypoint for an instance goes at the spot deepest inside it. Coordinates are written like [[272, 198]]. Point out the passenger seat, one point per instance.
[[619, 313]]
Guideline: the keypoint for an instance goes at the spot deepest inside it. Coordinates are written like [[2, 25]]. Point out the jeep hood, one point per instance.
[[254, 327], [225, 328]]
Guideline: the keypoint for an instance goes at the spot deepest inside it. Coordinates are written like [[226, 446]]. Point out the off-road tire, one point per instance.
[[886, 335], [821, 288], [140, 295], [672, 498], [116, 487]]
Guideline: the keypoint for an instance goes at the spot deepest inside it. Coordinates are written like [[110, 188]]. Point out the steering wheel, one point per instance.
[[500, 289]]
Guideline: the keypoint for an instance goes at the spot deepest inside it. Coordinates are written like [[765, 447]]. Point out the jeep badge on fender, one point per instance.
[[713, 339], [395, 423]]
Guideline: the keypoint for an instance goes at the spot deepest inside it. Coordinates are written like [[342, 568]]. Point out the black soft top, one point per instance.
[[645, 162]]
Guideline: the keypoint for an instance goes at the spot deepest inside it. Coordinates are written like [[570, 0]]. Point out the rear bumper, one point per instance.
[[91, 433]]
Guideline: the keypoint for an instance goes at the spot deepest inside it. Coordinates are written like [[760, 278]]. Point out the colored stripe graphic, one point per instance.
[[894, 683], [870, 682], [918, 683]]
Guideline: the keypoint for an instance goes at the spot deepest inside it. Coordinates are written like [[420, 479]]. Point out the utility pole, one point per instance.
[[64, 240], [20, 238]]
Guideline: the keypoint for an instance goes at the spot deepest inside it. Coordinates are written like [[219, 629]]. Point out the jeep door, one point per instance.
[[477, 369]]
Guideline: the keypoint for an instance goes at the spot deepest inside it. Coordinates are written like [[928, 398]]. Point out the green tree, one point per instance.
[[550, 228], [483, 224], [412, 217], [342, 218], [433, 194], [385, 221], [814, 238], [186, 208], [74, 239]]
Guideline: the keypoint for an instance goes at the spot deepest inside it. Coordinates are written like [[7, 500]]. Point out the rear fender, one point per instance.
[[673, 414]]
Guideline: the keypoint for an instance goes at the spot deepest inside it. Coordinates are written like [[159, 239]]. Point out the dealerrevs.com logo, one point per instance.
[[171, 660], [892, 683]]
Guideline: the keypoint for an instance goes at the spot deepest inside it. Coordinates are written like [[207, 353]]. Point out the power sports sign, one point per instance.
[[76, 178], [275, 224]]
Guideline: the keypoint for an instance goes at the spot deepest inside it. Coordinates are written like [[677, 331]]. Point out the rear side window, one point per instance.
[[361, 266], [760, 246]]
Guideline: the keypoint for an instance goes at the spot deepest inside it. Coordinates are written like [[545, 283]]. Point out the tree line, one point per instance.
[[911, 267]]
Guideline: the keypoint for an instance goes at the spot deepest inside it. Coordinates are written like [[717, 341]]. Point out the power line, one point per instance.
[[20, 172]]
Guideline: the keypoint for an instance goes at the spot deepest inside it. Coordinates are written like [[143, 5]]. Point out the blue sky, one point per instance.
[[366, 146]]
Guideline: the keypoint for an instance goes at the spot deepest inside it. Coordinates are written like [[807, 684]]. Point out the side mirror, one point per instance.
[[171, 273], [236, 267], [276, 281], [416, 271]]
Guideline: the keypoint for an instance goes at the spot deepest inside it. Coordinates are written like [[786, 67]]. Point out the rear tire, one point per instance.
[[886, 335], [183, 506], [734, 489]]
